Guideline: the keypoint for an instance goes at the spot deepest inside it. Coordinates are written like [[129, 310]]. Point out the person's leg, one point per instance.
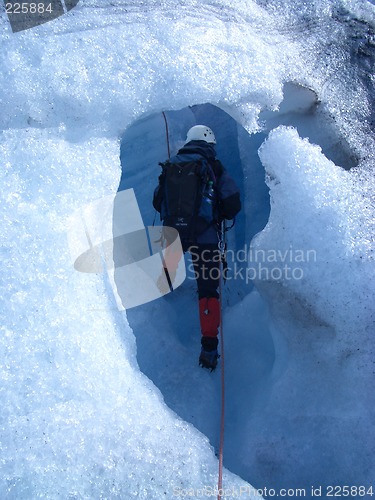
[[207, 270]]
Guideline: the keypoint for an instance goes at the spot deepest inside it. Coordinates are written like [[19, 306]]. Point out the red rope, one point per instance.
[[167, 133], [220, 480]]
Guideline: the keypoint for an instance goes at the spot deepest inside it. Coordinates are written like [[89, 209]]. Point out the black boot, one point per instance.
[[209, 355]]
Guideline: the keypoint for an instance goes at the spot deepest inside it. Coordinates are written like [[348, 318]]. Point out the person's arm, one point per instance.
[[230, 206], [229, 195]]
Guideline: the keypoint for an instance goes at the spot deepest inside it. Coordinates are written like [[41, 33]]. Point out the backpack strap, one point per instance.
[[198, 200]]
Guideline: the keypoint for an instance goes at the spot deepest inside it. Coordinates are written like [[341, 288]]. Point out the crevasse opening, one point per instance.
[[167, 331]]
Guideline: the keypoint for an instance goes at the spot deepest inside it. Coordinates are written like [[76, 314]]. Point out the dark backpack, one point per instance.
[[187, 198]]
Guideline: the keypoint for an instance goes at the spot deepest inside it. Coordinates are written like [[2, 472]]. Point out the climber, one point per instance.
[[195, 194]]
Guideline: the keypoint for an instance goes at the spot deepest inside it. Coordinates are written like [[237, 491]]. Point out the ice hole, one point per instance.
[[167, 330]]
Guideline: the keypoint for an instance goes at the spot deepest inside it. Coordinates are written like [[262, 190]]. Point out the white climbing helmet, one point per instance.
[[201, 133]]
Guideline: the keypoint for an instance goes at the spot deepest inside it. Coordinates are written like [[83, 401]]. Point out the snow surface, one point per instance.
[[98, 403]]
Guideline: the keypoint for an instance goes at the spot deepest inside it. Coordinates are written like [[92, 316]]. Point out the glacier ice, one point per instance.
[[79, 419]]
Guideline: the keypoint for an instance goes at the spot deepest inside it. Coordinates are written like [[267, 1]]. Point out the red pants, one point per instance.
[[207, 271]]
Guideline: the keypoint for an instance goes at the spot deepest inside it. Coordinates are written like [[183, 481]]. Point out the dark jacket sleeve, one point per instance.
[[228, 195], [230, 206]]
